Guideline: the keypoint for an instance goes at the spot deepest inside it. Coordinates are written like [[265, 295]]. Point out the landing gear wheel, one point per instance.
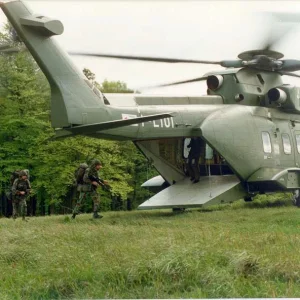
[[178, 209], [296, 198]]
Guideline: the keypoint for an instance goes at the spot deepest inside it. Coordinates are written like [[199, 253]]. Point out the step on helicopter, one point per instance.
[[249, 119]]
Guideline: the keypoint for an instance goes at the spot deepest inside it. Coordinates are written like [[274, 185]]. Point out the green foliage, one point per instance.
[[24, 115], [59, 159], [26, 137], [107, 86], [114, 87]]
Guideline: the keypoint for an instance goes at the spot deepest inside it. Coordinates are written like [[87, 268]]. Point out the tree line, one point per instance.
[[27, 142]]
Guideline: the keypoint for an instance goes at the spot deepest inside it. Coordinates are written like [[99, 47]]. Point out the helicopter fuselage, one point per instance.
[[249, 118]]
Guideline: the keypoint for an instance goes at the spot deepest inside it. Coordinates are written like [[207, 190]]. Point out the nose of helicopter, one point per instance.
[[233, 132]]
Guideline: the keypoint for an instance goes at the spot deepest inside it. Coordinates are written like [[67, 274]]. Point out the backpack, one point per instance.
[[14, 175], [79, 173], [86, 179]]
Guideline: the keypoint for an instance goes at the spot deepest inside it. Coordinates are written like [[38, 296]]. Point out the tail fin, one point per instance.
[[72, 99]]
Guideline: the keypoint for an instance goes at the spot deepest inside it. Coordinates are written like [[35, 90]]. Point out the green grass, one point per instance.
[[238, 250]]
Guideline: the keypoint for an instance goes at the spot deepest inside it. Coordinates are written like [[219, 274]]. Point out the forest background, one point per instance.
[[26, 142]]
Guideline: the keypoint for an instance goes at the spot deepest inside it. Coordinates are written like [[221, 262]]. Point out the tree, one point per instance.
[[26, 137], [107, 86], [114, 87]]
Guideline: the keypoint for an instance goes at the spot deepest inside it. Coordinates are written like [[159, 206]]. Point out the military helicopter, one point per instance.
[[249, 118]]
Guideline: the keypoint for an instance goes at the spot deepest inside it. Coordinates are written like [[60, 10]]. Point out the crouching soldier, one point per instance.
[[88, 189], [20, 190]]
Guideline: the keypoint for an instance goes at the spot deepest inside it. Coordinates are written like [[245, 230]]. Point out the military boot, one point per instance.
[[97, 216]]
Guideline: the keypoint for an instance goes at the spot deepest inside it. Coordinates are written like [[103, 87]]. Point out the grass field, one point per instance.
[[238, 250]]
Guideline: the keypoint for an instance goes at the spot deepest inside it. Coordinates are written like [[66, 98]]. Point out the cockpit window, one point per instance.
[[88, 83], [97, 92]]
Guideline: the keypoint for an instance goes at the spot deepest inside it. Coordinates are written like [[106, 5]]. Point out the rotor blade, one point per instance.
[[175, 83], [147, 58], [272, 41], [289, 74], [290, 65], [281, 27], [237, 63]]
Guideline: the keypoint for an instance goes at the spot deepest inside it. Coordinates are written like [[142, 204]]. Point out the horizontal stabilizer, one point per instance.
[[210, 190], [91, 128]]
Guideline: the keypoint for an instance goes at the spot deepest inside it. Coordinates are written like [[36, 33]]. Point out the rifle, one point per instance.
[[27, 191], [100, 182]]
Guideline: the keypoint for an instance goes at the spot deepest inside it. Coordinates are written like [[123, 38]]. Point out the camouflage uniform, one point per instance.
[[88, 190], [19, 200]]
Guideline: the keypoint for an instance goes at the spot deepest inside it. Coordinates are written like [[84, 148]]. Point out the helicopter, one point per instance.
[[249, 118]]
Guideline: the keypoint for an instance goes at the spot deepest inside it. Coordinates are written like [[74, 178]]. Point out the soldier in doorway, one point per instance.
[[193, 158]]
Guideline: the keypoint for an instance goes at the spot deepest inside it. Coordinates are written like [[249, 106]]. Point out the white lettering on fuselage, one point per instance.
[[162, 123], [167, 122], [154, 124]]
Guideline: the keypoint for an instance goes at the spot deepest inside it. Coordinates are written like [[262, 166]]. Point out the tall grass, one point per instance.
[[238, 250]]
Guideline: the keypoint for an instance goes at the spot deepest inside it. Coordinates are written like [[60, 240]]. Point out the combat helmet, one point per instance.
[[22, 173], [96, 162]]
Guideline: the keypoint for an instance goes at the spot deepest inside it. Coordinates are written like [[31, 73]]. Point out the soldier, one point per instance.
[[88, 189], [193, 158], [20, 190]]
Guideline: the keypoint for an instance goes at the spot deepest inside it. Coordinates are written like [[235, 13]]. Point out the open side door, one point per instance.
[[210, 190]]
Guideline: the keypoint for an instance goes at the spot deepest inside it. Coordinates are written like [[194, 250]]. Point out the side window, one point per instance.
[[287, 148], [266, 142], [298, 142]]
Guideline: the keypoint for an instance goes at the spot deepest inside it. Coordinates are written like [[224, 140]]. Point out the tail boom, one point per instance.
[[72, 100]]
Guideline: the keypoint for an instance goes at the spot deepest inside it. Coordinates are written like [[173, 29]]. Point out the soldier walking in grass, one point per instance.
[[20, 190], [88, 189]]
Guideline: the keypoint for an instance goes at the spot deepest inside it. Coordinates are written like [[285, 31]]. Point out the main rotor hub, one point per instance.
[[249, 55]]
